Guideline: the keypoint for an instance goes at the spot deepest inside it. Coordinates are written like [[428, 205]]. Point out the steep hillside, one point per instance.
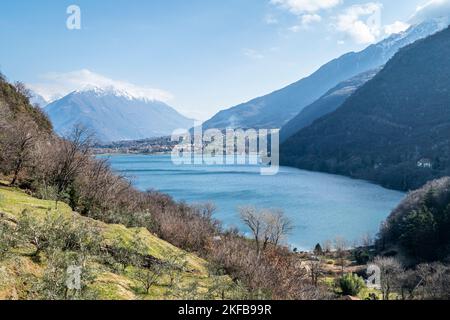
[[276, 109], [14, 104], [107, 274], [394, 130], [42, 240], [328, 103], [37, 100], [115, 115], [419, 228]]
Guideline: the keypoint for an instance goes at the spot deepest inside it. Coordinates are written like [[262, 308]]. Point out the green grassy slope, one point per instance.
[[193, 276]]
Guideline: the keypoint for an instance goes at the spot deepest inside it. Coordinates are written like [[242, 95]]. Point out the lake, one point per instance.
[[322, 206]]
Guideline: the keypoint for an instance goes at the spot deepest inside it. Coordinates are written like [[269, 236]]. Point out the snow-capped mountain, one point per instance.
[[382, 131], [392, 44], [278, 108], [115, 115], [37, 99]]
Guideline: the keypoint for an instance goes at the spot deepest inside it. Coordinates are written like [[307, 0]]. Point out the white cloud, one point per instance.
[[431, 9], [253, 54], [361, 22], [295, 28], [300, 7], [305, 21], [270, 19], [396, 27], [55, 85]]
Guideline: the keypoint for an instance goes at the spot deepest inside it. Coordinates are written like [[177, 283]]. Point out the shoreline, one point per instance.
[[297, 210], [281, 166]]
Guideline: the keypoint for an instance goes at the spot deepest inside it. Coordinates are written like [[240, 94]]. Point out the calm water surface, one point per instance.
[[321, 206]]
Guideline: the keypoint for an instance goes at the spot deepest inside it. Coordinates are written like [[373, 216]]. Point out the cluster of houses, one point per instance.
[[146, 146]]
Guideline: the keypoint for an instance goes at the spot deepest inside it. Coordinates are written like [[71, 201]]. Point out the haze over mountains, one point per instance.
[[37, 99], [276, 109], [394, 130], [328, 103], [115, 115]]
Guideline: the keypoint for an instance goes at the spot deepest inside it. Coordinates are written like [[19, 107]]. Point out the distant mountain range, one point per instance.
[[276, 109], [115, 115], [394, 130]]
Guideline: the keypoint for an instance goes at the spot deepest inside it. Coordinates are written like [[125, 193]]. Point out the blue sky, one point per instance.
[[198, 55]]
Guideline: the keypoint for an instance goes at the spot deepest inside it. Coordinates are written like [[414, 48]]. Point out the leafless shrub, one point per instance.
[[18, 140], [434, 281], [276, 274], [340, 250], [71, 157], [267, 226], [315, 269], [22, 89], [390, 271]]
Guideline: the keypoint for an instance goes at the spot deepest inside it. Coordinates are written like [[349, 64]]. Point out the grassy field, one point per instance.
[[192, 279]]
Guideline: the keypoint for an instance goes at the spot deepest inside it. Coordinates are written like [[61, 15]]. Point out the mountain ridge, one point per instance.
[[277, 108], [115, 115], [389, 127], [326, 104]]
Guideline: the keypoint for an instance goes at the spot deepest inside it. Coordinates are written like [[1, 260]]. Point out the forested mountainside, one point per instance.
[[328, 103], [419, 228], [394, 130], [14, 104], [276, 109]]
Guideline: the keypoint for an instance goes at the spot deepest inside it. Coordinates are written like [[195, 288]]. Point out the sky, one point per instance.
[[199, 56]]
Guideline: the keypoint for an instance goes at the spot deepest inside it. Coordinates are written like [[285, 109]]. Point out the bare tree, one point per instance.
[[316, 270], [341, 247], [24, 140], [433, 281], [4, 125], [328, 246], [367, 240], [72, 157], [278, 226], [267, 226], [101, 188], [390, 270], [409, 282], [22, 89], [17, 145], [253, 221]]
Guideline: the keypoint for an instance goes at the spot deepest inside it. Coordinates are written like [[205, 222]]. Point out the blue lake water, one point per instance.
[[321, 206]]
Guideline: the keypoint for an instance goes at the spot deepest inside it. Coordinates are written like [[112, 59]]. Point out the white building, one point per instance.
[[425, 163]]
